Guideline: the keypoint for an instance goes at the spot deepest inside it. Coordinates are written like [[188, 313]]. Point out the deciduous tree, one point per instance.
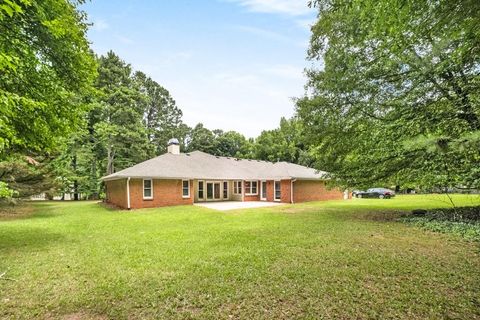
[[45, 62], [397, 99]]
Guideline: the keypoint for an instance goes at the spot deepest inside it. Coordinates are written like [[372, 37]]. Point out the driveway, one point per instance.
[[233, 205]]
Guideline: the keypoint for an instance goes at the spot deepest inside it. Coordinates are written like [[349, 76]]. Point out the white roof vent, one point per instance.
[[173, 141], [173, 146]]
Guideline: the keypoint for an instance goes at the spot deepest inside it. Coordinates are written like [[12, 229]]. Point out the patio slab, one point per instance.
[[234, 205]]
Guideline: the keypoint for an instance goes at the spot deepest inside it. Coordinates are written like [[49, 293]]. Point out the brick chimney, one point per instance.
[[173, 146]]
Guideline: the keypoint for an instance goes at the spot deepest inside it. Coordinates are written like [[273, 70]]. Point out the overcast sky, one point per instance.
[[230, 64]]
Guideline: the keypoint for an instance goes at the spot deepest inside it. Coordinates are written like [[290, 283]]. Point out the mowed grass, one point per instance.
[[324, 260]]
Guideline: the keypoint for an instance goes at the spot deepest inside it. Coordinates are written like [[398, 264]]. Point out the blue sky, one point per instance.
[[230, 64]]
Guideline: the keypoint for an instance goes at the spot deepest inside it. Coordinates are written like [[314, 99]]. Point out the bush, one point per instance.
[[459, 214], [461, 221], [5, 191]]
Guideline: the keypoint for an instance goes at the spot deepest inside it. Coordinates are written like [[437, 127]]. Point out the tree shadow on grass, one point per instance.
[[376, 215], [30, 210], [20, 237]]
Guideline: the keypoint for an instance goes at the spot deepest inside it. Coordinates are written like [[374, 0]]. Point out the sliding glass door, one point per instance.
[[213, 191]]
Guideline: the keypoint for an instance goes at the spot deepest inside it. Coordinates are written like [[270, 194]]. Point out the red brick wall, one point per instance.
[[116, 192], [165, 193], [286, 191], [269, 190], [169, 192], [307, 190]]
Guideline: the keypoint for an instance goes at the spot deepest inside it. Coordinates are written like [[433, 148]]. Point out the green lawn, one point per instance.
[[324, 260]]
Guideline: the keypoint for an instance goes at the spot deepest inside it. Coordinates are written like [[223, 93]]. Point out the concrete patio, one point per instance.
[[233, 205]]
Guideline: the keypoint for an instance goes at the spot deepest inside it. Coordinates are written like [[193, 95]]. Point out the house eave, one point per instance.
[[120, 177]]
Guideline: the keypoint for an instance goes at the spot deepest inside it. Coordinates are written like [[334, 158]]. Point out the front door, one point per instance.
[[263, 190], [213, 191]]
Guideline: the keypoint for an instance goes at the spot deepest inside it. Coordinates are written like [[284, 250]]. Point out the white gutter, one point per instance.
[[291, 190], [128, 193]]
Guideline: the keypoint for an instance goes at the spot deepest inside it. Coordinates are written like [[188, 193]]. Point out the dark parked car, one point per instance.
[[356, 192], [381, 193]]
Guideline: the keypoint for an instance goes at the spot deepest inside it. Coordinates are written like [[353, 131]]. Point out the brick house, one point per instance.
[[178, 178]]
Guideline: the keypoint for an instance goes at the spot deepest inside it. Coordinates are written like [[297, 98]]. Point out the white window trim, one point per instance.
[[223, 190], [187, 196], [250, 193], [235, 187], [275, 190], [214, 182], [198, 189], [151, 188]]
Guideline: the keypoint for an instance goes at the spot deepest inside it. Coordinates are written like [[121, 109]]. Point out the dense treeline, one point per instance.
[[129, 118], [69, 117], [46, 68], [396, 99]]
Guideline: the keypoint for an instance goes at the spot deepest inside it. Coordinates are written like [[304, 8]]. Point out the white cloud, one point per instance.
[[288, 7], [100, 25]]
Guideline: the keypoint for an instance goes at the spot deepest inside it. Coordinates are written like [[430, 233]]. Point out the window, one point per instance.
[[147, 189], [251, 187], [278, 191], [225, 189], [237, 187], [200, 189], [186, 188]]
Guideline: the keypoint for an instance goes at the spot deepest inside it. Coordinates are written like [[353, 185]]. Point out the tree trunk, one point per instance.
[[75, 182], [110, 157], [93, 179]]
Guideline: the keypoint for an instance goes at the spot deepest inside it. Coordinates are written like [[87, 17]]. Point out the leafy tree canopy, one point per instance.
[[396, 95], [286, 143], [45, 62]]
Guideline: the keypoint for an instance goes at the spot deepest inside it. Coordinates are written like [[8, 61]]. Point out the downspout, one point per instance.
[[128, 193], [291, 190]]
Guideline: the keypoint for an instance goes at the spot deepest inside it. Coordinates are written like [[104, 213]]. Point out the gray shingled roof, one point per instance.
[[201, 165]]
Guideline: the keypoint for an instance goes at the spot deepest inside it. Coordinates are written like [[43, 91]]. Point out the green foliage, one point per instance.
[[5, 191], [219, 142], [201, 139], [161, 116], [468, 231], [130, 119], [461, 221], [76, 167], [45, 61], [118, 116], [395, 98], [286, 143], [26, 176]]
